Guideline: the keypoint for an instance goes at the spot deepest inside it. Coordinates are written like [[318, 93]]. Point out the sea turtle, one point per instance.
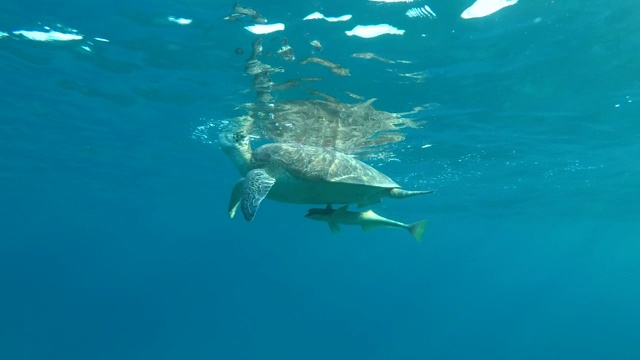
[[303, 174]]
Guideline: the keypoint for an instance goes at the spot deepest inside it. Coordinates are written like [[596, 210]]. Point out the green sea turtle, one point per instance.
[[302, 174]]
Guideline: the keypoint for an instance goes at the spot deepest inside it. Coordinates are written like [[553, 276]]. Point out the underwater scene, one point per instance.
[[363, 179]]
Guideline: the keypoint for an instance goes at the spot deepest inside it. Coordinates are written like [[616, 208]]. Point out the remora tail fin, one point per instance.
[[417, 229]]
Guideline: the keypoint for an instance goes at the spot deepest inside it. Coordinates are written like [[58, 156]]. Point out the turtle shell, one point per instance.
[[319, 164]]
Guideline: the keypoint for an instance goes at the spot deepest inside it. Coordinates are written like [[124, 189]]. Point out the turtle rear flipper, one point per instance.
[[257, 184]]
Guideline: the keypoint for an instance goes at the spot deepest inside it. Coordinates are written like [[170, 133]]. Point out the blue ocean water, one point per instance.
[[114, 237]]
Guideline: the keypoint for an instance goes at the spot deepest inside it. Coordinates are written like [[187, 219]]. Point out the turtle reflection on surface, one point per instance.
[[348, 128], [353, 129]]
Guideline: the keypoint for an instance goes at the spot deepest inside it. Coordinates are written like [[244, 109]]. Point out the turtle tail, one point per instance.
[[398, 193]]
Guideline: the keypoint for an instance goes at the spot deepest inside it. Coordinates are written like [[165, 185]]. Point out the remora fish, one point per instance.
[[335, 68], [240, 11], [367, 220]]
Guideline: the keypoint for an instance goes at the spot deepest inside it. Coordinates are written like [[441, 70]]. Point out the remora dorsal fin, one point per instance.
[[342, 209]]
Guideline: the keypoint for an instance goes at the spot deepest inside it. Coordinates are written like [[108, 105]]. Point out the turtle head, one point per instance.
[[236, 146]]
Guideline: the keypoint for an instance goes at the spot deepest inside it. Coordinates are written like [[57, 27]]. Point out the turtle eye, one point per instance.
[[239, 137]]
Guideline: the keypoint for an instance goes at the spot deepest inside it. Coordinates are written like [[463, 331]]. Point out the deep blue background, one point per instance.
[[114, 239]]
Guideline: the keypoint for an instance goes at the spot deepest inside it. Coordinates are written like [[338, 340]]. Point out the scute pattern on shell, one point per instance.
[[316, 163]]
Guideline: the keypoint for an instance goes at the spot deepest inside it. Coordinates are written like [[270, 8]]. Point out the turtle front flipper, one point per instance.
[[257, 184]]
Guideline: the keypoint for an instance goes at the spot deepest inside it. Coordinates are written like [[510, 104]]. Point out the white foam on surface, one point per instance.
[[315, 16], [338, 18], [371, 31], [48, 36], [392, 1], [482, 8], [318, 16], [424, 11], [181, 21], [265, 28]]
